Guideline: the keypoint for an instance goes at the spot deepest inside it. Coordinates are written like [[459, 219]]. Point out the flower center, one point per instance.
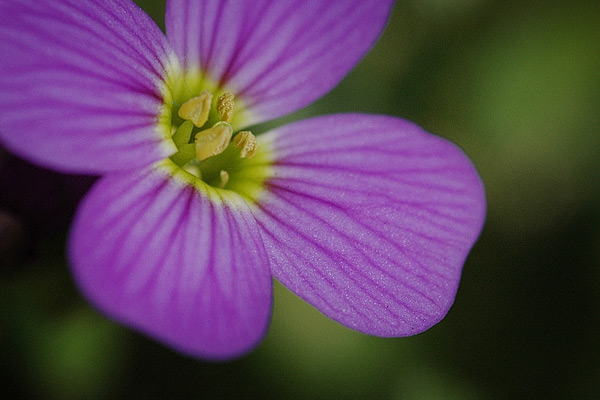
[[200, 117], [203, 131]]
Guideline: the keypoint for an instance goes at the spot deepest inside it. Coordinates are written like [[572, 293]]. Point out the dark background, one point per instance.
[[517, 85]]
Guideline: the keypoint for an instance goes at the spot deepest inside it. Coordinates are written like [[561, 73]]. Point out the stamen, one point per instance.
[[213, 141], [196, 109], [225, 106], [224, 178], [247, 142]]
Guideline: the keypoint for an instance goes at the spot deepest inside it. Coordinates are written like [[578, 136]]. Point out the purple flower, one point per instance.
[[368, 218]]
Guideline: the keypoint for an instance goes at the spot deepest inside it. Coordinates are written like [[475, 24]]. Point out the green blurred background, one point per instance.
[[517, 85]]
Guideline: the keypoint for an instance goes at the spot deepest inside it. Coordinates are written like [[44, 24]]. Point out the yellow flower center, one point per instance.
[[198, 139], [199, 117]]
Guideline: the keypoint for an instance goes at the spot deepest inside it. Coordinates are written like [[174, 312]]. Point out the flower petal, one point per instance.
[[185, 265], [80, 84], [278, 56], [370, 219]]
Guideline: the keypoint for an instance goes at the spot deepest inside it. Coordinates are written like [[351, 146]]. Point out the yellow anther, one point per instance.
[[196, 109], [246, 141], [225, 106], [224, 178], [213, 141]]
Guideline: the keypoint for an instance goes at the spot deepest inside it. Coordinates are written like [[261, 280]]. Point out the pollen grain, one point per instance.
[[245, 141], [225, 105]]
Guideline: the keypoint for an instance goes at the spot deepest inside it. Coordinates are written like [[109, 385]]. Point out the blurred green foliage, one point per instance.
[[517, 85]]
